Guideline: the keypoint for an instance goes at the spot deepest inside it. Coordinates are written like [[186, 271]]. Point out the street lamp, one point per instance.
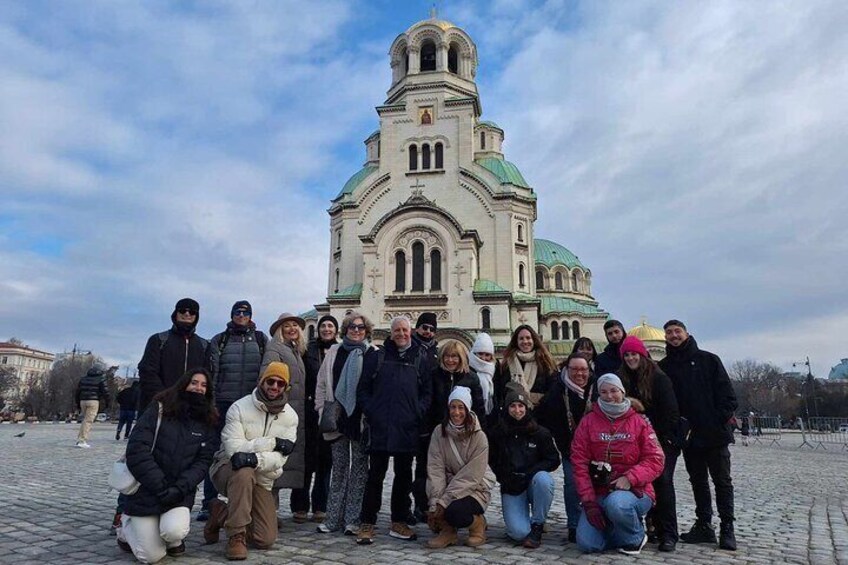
[[808, 382]]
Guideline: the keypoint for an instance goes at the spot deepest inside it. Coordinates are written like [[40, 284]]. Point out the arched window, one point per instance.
[[425, 156], [337, 281], [400, 271], [311, 332], [540, 280], [417, 266], [574, 282], [453, 59], [339, 240], [520, 232], [565, 331], [521, 283], [482, 140], [575, 329], [435, 270], [486, 318], [440, 156], [428, 56], [404, 62], [558, 280], [413, 157], [554, 331]]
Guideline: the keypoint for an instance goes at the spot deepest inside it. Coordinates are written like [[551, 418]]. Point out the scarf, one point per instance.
[[569, 384], [195, 405], [613, 410], [273, 406], [345, 391], [485, 372], [456, 428], [526, 376]]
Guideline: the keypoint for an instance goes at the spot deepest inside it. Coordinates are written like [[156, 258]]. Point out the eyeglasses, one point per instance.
[[243, 313], [579, 370], [427, 328], [279, 383], [187, 311], [357, 327]]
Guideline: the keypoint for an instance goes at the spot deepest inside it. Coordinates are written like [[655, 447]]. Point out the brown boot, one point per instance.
[[477, 531], [237, 547], [447, 536], [217, 517]]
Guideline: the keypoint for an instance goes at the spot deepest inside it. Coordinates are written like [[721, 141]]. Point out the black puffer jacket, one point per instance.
[[128, 398], [662, 410], [235, 370], [443, 384], [93, 387], [520, 449], [181, 458], [704, 393], [552, 413], [608, 361], [161, 366]]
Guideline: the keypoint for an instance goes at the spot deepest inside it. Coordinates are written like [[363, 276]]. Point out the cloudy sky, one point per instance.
[[692, 154]]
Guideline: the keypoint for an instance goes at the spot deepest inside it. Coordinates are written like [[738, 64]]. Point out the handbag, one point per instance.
[[120, 478], [330, 417]]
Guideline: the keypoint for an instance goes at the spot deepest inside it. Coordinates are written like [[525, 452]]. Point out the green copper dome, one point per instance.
[[551, 254], [355, 180], [506, 172]]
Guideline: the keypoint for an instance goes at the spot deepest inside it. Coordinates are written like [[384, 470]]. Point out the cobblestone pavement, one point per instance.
[[55, 507]]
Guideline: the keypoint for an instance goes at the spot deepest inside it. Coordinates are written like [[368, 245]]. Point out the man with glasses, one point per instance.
[[257, 438], [234, 359], [425, 338], [171, 353]]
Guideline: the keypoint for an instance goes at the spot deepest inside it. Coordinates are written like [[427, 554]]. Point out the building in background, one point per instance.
[[653, 338], [28, 364], [840, 371]]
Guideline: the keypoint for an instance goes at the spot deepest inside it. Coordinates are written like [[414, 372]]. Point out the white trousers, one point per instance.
[[151, 536]]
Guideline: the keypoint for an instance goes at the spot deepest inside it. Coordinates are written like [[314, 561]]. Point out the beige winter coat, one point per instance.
[[450, 479]]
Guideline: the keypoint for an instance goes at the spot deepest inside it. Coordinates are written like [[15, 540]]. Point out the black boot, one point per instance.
[[726, 537], [701, 532], [534, 538]]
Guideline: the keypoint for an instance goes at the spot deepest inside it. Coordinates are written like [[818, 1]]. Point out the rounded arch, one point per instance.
[[554, 331], [559, 283], [486, 318], [428, 56], [434, 34], [522, 276], [541, 275], [464, 45]]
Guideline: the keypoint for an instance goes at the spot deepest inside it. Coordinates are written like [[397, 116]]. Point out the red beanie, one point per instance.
[[633, 344]]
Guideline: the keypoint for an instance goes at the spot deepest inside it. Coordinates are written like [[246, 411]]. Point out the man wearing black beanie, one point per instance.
[[425, 337]]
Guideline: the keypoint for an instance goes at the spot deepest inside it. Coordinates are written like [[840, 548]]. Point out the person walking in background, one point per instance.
[[128, 402], [459, 481], [288, 345], [616, 457], [560, 412], [651, 393], [527, 364], [338, 380], [91, 391], [258, 436], [706, 399], [318, 457], [169, 453], [169, 354]]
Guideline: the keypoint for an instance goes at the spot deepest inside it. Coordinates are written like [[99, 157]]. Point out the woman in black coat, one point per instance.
[[528, 364], [169, 453], [453, 371], [647, 385]]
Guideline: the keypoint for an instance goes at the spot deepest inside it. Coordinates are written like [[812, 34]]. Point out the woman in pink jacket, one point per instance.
[[616, 457]]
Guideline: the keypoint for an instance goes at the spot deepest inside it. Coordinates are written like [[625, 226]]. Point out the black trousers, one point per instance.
[[460, 513], [702, 463], [318, 463], [419, 485], [664, 514], [401, 487]]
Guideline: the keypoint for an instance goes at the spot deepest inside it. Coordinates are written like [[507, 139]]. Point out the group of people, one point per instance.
[[250, 415]]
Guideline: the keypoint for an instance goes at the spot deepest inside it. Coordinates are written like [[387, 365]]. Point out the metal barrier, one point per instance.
[[765, 429], [820, 432]]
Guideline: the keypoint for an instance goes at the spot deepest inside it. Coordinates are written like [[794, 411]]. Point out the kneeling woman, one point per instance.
[[523, 457], [169, 453], [616, 456], [459, 481]]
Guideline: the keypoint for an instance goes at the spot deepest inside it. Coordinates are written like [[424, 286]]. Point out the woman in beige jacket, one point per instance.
[[459, 481]]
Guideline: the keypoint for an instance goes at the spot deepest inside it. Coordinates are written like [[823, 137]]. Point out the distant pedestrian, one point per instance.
[[745, 428], [91, 391], [128, 401]]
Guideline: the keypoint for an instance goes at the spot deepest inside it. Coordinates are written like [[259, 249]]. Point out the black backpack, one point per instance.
[[261, 341]]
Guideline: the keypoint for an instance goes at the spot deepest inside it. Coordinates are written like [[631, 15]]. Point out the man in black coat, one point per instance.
[[424, 337], [128, 401], [609, 360], [394, 393], [706, 399], [171, 353], [91, 390]]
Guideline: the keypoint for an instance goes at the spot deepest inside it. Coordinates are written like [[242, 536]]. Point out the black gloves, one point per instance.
[[239, 460], [169, 496], [284, 446]]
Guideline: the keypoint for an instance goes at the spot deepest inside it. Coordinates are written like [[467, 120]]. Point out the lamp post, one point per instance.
[[808, 383]]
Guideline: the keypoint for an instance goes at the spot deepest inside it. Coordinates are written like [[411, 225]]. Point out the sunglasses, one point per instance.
[[276, 383], [357, 327], [187, 311], [428, 328], [244, 313]]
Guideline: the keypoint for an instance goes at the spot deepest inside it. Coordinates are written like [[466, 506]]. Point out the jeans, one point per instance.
[[572, 500], [624, 512], [125, 417], [716, 461], [529, 507], [401, 487], [209, 490]]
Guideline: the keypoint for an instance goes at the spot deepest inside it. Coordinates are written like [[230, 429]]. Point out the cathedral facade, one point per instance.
[[437, 220]]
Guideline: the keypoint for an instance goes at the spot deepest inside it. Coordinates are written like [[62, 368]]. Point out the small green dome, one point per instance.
[[551, 254], [355, 180], [490, 124], [506, 172]]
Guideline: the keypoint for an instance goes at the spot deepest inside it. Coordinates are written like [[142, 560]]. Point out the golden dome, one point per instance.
[[647, 333]]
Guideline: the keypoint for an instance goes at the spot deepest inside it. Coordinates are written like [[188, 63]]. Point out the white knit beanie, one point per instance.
[[463, 394], [483, 344]]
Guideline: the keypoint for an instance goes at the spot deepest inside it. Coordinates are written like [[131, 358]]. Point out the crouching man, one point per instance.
[[258, 436]]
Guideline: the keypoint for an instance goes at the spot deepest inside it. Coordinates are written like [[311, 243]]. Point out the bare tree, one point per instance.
[[764, 389], [8, 384]]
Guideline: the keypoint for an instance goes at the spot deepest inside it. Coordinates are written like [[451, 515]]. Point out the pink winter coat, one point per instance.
[[628, 443]]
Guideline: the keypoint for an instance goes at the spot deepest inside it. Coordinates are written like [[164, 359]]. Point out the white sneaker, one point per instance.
[[323, 529], [634, 549], [351, 530], [83, 444]]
